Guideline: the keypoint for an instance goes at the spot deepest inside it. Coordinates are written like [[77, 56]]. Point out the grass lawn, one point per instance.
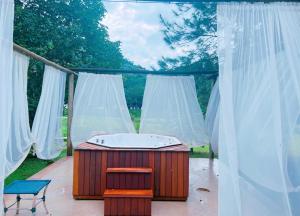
[[32, 165]]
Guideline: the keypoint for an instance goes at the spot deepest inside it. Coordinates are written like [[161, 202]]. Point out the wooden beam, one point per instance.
[[213, 73], [30, 54], [70, 113]]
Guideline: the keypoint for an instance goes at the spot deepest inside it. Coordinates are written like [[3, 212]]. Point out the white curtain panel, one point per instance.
[[170, 107], [20, 140], [259, 140], [212, 117], [46, 128], [6, 59], [99, 107]]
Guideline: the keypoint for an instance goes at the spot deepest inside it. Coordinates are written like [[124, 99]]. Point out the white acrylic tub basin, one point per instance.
[[128, 140]]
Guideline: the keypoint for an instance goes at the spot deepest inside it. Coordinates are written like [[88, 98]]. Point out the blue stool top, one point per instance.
[[26, 186]]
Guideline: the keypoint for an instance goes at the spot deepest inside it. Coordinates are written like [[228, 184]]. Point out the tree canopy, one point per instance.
[[68, 32], [194, 30]]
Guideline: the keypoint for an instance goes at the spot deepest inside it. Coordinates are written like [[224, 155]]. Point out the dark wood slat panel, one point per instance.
[[157, 171], [147, 207], [76, 174], [152, 166], [146, 161], [110, 158], [180, 164], [169, 174], [122, 159], [114, 206], [103, 171], [133, 158], [139, 159], [186, 174], [174, 174], [87, 160], [81, 172], [141, 206], [98, 174], [121, 206], [127, 206], [163, 167], [116, 181], [107, 206], [134, 207], [92, 173]]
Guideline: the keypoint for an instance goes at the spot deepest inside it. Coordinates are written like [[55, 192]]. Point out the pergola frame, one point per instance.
[[74, 71], [212, 74]]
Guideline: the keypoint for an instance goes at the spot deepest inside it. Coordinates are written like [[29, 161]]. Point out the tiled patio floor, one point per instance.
[[203, 174]]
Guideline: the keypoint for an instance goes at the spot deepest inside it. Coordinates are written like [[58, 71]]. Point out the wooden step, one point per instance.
[[129, 170], [122, 193]]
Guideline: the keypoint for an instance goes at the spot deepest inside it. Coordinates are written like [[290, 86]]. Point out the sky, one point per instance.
[[138, 27]]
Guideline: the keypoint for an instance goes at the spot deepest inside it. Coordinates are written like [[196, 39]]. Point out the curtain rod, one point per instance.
[[41, 59], [194, 1], [143, 72]]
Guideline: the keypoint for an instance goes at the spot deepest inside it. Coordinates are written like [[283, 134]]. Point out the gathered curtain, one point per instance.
[[170, 107], [259, 136], [212, 117], [6, 59], [46, 129], [20, 140], [99, 107]]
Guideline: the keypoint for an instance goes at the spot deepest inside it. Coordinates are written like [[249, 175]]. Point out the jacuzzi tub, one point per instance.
[[130, 140]]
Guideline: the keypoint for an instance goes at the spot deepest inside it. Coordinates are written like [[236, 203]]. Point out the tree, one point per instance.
[[194, 30], [68, 32]]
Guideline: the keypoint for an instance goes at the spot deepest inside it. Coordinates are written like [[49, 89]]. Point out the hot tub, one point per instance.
[[167, 158], [130, 140]]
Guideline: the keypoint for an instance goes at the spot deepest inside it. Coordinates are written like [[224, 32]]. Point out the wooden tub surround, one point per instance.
[[131, 176]]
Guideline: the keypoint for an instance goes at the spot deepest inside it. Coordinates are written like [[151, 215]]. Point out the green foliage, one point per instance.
[[194, 30], [29, 167], [68, 32]]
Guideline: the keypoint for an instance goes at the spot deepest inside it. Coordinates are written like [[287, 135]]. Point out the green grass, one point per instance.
[[200, 152], [32, 165], [136, 118], [29, 167]]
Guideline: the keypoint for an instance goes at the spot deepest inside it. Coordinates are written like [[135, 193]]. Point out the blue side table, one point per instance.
[[22, 187]]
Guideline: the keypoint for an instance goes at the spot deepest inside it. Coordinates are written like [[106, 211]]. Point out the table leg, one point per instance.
[[44, 200], [33, 209], [18, 203], [4, 205]]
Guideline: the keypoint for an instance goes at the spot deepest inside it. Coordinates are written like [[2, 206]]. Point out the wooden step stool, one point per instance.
[[127, 202]]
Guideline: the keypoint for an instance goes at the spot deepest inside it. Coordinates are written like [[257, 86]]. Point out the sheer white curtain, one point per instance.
[[20, 135], [99, 107], [6, 58], [170, 107], [259, 140], [212, 117], [46, 128]]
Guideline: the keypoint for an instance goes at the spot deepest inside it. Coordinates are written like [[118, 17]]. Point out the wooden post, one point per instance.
[[70, 113]]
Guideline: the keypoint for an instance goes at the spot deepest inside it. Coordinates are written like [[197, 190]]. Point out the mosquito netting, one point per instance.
[[259, 140], [6, 58], [99, 107], [46, 128], [170, 107], [212, 117], [20, 141]]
